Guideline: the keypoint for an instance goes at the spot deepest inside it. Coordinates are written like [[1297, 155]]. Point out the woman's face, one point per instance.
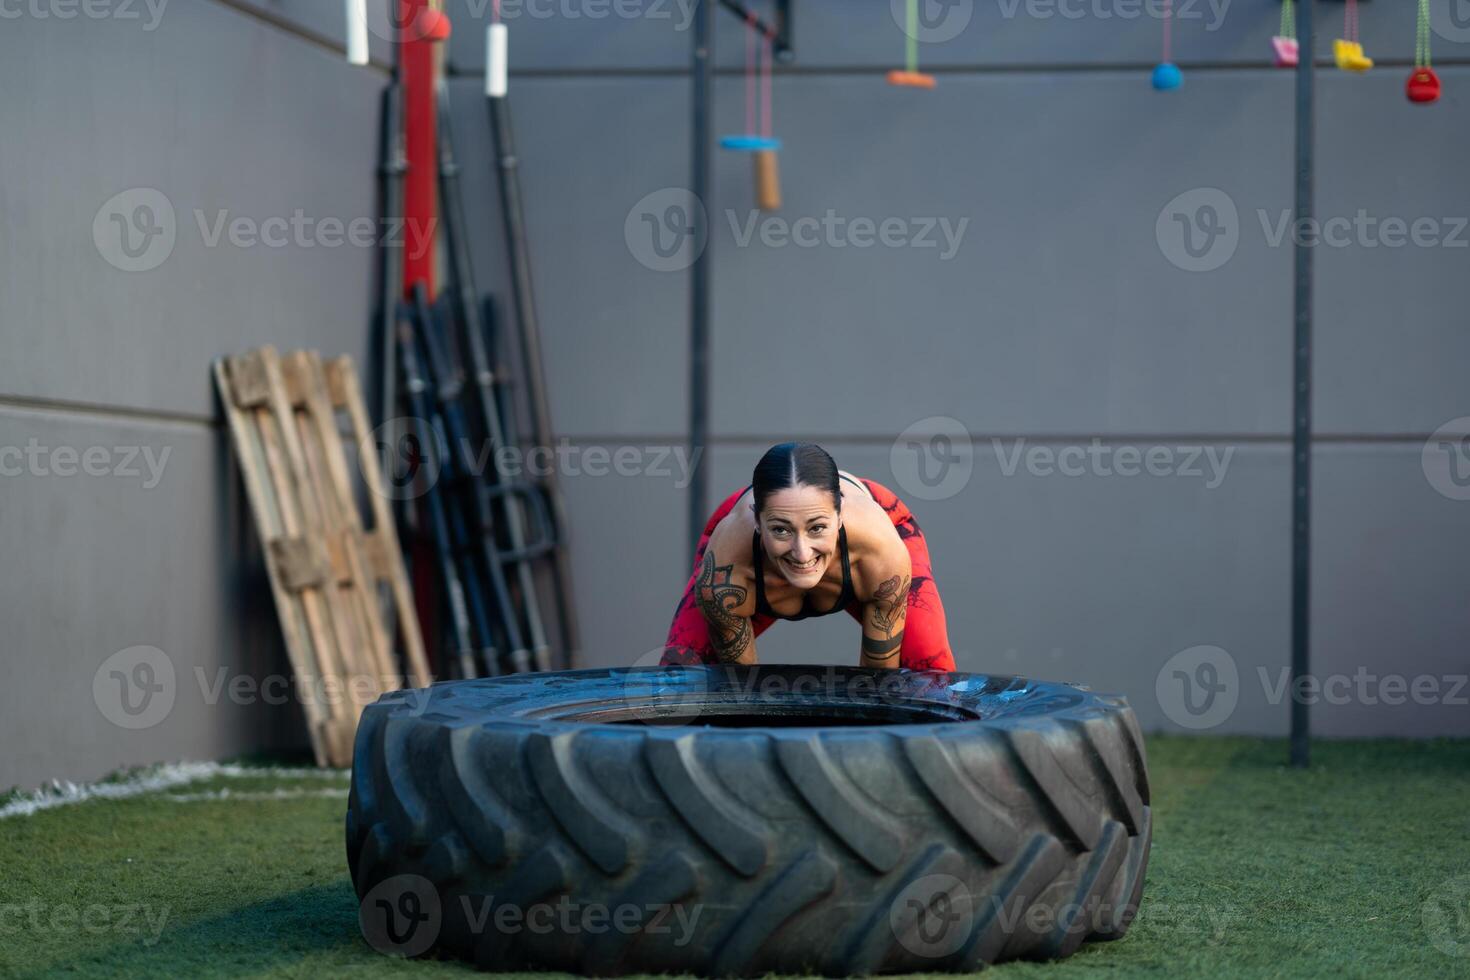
[[799, 533]]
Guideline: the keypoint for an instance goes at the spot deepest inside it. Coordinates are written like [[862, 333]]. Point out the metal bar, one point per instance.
[[392, 166], [465, 301], [529, 337], [699, 272], [779, 30], [1301, 402]]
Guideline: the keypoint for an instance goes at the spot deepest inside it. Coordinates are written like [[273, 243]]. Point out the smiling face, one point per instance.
[[799, 533]]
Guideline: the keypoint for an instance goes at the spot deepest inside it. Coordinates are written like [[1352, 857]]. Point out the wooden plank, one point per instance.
[[374, 657], [346, 394], [288, 472], [248, 452]]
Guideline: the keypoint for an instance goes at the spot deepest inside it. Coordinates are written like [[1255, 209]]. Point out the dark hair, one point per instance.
[[794, 464]]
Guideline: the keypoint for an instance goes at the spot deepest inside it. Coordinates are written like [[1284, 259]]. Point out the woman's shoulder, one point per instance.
[[876, 551], [731, 538]]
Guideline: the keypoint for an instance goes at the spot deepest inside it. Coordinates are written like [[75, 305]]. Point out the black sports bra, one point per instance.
[[808, 611]]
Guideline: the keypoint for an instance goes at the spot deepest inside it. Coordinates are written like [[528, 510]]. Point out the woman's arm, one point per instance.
[[726, 606], [715, 620], [885, 612]]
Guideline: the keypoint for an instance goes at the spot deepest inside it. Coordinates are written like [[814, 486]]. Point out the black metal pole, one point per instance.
[[699, 272], [1301, 402], [529, 339]]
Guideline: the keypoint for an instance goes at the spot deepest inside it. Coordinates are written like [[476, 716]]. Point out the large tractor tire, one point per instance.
[[734, 821]]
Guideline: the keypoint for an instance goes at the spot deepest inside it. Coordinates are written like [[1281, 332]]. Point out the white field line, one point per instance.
[[152, 780], [279, 793]]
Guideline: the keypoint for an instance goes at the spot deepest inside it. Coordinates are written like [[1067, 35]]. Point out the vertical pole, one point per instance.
[[416, 56], [699, 273], [1301, 402]]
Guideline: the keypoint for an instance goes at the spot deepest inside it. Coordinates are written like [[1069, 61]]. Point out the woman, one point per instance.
[[806, 539]]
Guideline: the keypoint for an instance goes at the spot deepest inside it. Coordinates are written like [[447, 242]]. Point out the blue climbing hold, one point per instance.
[[749, 144], [1167, 76]]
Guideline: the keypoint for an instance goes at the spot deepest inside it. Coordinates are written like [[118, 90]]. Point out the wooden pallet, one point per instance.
[[326, 571]]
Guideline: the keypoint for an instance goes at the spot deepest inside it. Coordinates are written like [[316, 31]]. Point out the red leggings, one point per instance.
[[925, 636]]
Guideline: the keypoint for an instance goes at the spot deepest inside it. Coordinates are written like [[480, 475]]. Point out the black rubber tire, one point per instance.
[[1012, 813]]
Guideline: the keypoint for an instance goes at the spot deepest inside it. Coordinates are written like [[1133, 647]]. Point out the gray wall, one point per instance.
[[218, 108], [1058, 320]]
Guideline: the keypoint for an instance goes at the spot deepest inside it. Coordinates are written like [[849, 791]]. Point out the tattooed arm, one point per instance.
[[727, 606], [884, 613]]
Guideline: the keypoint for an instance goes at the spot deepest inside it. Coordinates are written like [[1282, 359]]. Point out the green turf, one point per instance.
[[1357, 867]]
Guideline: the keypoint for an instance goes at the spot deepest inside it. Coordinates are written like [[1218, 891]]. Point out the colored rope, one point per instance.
[[911, 51], [1421, 43], [1168, 20], [1350, 20], [766, 52], [1288, 19], [750, 74]]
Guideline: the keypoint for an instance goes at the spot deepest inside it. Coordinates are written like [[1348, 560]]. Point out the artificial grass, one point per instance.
[[1357, 867]]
